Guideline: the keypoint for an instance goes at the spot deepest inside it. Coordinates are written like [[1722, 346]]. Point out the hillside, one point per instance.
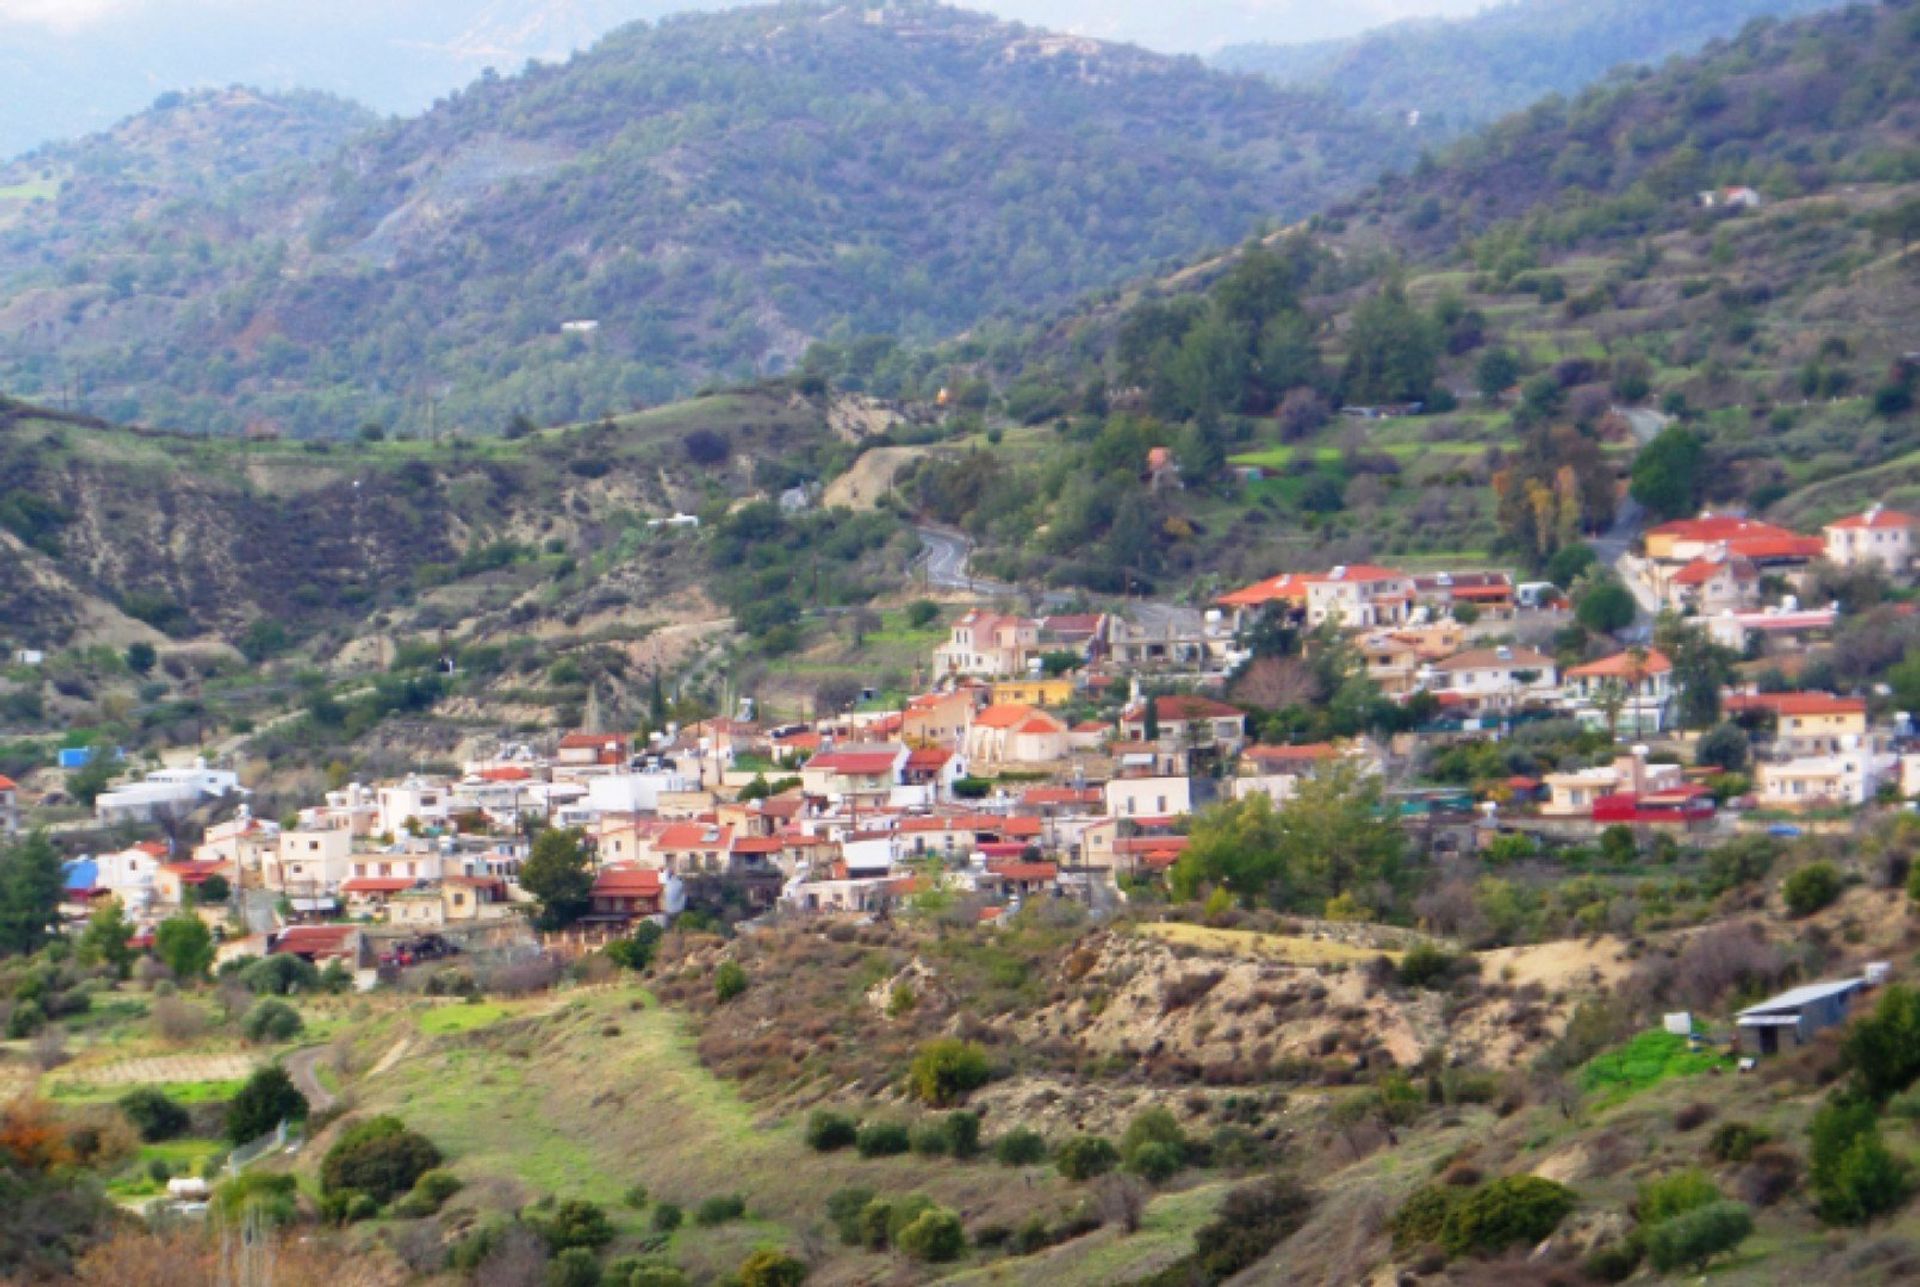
[[1523, 286], [1467, 72], [714, 192]]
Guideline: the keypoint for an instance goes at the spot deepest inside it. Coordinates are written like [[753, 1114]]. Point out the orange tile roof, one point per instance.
[[1622, 665], [1877, 517], [1796, 704], [1002, 716]]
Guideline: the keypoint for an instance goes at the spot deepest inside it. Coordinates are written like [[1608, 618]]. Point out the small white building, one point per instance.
[[166, 793], [1881, 536], [1148, 797], [1825, 781]]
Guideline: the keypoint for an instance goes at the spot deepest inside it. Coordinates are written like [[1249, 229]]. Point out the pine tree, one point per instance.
[[30, 887]]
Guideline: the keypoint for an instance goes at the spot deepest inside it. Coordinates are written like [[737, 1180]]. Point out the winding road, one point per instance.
[[300, 1067], [945, 556]]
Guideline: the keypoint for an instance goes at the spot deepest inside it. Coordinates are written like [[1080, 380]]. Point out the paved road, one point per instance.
[[300, 1067], [945, 556], [1615, 545]]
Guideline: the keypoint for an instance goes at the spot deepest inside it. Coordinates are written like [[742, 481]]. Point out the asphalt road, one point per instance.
[[299, 1067]]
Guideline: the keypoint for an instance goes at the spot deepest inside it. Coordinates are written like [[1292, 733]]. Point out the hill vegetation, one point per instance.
[[710, 194], [1463, 73]]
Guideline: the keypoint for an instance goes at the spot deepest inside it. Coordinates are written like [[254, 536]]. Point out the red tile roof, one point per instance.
[[693, 835], [315, 940], [1777, 547], [1002, 716], [927, 758], [7, 783], [1024, 871], [1698, 572], [1718, 527], [1877, 517], [1621, 665], [857, 761], [1037, 797], [1181, 707], [593, 742], [505, 773], [377, 884], [1796, 704], [758, 845], [627, 882]]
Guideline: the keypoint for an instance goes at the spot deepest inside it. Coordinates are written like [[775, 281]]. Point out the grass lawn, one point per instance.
[[460, 1018], [180, 1092], [1272, 947], [1644, 1062]]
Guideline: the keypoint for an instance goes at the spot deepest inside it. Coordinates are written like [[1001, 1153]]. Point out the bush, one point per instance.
[[720, 1210], [1516, 1209], [574, 1267], [1429, 968], [963, 1134], [729, 981], [1676, 1194], [1613, 1263], [1690, 1240], [1853, 1175], [666, 1217], [769, 1268], [577, 1223], [268, 1098], [658, 1276], [271, 1021], [935, 1237], [1811, 888], [1735, 1141], [1253, 1220], [279, 975], [635, 1197], [946, 1070], [154, 1115], [843, 1212], [930, 1139], [1020, 1147], [827, 1131], [380, 1158], [1422, 1218], [1156, 1163], [1085, 1156], [430, 1193], [882, 1139]]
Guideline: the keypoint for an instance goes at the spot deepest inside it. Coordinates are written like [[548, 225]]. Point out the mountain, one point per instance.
[[1523, 286], [1468, 71], [707, 196], [76, 68]]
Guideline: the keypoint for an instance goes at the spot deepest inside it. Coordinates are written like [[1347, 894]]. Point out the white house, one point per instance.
[[165, 793], [1494, 678], [1641, 684], [1879, 536], [1149, 797], [1824, 781]]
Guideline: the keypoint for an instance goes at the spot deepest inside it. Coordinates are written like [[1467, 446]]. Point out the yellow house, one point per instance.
[[1056, 691]]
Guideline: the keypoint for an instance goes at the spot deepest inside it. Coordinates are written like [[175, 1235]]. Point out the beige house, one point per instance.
[[1189, 722], [309, 864], [1879, 536], [1572, 794], [1360, 597], [1005, 736], [1807, 723], [1712, 584], [989, 645], [1641, 683], [938, 719], [854, 771]]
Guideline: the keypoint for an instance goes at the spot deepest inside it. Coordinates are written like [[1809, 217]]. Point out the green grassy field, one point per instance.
[[460, 1018]]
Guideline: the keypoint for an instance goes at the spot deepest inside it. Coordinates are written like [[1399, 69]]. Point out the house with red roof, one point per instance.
[[940, 719], [990, 645], [1803, 723], [1359, 596], [1712, 584], [1880, 538], [1188, 721], [855, 771], [172, 880], [9, 806], [1638, 681], [1683, 540], [593, 750], [1015, 735], [320, 944], [624, 893], [693, 849]]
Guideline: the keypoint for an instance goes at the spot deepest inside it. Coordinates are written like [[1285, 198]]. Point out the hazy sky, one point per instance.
[[1192, 25]]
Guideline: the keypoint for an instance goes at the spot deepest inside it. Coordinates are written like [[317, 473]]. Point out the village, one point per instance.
[[1065, 757]]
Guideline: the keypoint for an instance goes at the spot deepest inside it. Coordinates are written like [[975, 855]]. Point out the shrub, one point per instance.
[[1735, 1141], [729, 981], [946, 1070], [430, 1193], [1422, 1218], [1510, 1210], [963, 1134], [720, 1210], [666, 1217], [577, 1223], [268, 1098], [154, 1115], [827, 1131], [1613, 1263], [273, 1197], [658, 1276], [1690, 1240], [1253, 1219], [271, 1021], [882, 1139], [935, 1237], [1020, 1147], [380, 1158], [1429, 968], [1676, 1194], [1085, 1156], [1853, 1175], [1152, 1126], [574, 1267], [930, 1139], [1156, 1163], [843, 1212], [279, 975], [1811, 888], [1883, 1049], [635, 1197], [769, 1268]]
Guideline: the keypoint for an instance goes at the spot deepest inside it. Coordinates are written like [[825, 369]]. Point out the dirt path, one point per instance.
[[300, 1066]]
